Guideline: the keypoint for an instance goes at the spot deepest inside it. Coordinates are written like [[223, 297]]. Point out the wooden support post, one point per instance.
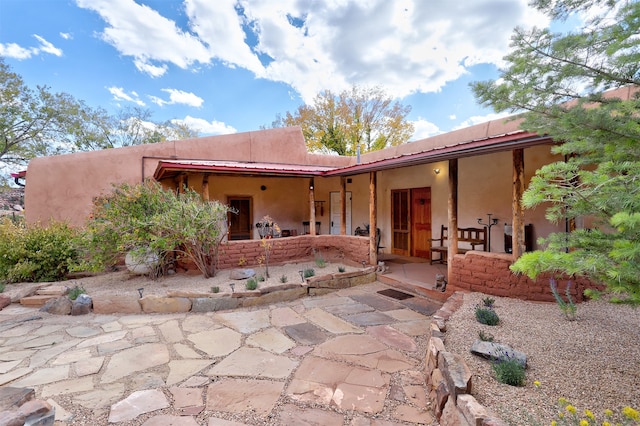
[[312, 208], [452, 215], [205, 187], [343, 205], [517, 237], [373, 218], [181, 183]]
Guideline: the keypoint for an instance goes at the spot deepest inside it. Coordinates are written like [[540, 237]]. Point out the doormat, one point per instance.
[[395, 294]]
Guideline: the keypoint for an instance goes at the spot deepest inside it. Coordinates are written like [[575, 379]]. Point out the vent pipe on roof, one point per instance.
[[358, 154]]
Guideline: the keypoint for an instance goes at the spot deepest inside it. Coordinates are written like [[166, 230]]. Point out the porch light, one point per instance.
[[436, 171]]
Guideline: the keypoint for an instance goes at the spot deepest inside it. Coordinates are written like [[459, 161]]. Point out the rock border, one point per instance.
[[184, 301], [448, 377]]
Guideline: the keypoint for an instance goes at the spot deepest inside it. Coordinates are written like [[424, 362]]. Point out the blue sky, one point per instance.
[[229, 66]]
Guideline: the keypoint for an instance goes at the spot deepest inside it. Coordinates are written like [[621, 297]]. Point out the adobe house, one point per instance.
[[469, 178]]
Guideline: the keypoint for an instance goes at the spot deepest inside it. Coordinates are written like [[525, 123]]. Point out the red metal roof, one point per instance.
[[508, 141], [169, 168]]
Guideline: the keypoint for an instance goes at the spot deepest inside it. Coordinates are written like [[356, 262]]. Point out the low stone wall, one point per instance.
[[489, 273], [181, 301], [331, 247], [449, 379]]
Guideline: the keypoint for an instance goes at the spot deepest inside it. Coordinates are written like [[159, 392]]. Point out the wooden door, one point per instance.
[[421, 222], [400, 222], [240, 223]]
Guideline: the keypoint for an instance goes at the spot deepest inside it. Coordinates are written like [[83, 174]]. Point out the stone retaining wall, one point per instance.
[[449, 379], [181, 301], [489, 273]]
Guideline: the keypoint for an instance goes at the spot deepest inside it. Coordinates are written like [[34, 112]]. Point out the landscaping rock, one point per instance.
[[4, 301], [58, 306], [116, 304], [82, 305], [241, 274], [493, 351], [165, 305]]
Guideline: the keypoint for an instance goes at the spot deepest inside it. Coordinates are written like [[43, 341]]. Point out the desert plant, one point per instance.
[[568, 415], [260, 278], [266, 228], [251, 284], [75, 292], [341, 269], [215, 289], [485, 337], [487, 316], [319, 260], [283, 279], [147, 217], [568, 308], [37, 253], [310, 272], [2, 287], [509, 370], [488, 301]]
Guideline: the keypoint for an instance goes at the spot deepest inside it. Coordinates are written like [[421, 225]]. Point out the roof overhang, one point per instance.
[[489, 145], [168, 169]]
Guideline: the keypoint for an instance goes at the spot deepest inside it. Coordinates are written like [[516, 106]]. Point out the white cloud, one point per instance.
[[477, 119], [66, 36], [178, 97], [119, 94], [405, 46], [205, 127], [47, 47], [13, 50], [140, 32], [424, 129]]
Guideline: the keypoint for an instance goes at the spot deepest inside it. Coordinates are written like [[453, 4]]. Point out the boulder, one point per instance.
[[82, 305], [58, 306], [241, 274], [494, 351]]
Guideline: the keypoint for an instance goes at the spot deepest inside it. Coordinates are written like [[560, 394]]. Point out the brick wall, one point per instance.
[[489, 273], [330, 247]]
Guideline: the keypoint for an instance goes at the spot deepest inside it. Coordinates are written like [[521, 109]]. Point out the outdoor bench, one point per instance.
[[469, 236]]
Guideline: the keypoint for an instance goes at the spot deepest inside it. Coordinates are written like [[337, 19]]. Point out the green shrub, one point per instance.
[[568, 308], [2, 287], [75, 292], [309, 272], [283, 279], [487, 316], [509, 370], [215, 289], [36, 253], [260, 278], [149, 218], [251, 284]]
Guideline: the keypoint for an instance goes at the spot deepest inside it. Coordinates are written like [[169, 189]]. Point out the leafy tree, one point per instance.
[[561, 81], [36, 122], [147, 218], [360, 117]]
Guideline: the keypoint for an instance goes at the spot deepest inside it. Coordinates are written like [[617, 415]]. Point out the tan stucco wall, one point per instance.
[[484, 186], [62, 187]]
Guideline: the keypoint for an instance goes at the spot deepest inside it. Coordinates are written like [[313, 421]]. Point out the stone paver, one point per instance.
[[347, 357], [138, 403], [241, 395], [253, 362]]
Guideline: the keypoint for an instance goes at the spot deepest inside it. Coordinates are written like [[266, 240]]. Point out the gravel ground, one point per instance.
[[593, 362]]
